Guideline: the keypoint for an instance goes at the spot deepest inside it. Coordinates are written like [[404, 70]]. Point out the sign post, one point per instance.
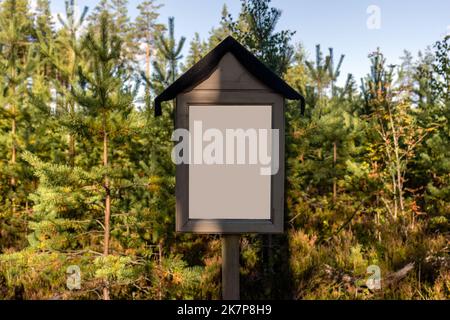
[[229, 151], [230, 266]]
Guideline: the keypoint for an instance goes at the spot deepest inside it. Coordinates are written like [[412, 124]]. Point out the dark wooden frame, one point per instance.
[[231, 226]]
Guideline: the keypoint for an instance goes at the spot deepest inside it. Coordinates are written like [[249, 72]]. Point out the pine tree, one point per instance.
[[406, 70], [255, 28], [423, 77], [123, 28], [432, 164], [376, 87], [297, 78], [44, 25], [197, 50], [217, 35], [442, 68], [147, 30], [350, 90], [120, 25], [71, 22], [334, 72], [102, 91], [170, 50], [44, 19], [120, 17], [319, 73], [63, 54], [102, 7], [17, 61]]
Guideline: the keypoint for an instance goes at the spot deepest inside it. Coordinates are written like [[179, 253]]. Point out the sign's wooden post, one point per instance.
[[230, 267], [232, 95]]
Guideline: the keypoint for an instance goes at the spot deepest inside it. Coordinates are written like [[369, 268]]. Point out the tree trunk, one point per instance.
[[13, 145], [377, 220], [334, 171], [71, 150], [319, 98], [107, 204], [394, 187], [147, 69], [174, 69], [71, 140], [160, 268], [147, 60], [13, 159], [398, 180], [230, 266]]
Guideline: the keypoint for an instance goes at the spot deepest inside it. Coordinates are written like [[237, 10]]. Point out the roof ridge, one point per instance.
[[203, 68]]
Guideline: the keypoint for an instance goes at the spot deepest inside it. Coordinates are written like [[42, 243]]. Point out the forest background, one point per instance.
[[87, 183]]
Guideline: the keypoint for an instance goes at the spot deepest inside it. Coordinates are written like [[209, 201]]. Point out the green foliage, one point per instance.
[[197, 50], [170, 50], [376, 88], [367, 181], [218, 34], [255, 28], [145, 24], [441, 68]]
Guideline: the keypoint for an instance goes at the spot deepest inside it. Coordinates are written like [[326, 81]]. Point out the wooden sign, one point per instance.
[[230, 108], [229, 152]]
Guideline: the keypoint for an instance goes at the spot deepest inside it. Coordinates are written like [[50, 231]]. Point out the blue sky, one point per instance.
[[341, 24]]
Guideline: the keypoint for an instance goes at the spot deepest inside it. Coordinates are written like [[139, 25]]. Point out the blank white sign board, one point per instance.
[[228, 191]]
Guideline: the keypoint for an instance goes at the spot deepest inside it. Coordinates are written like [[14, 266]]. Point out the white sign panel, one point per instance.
[[229, 161]]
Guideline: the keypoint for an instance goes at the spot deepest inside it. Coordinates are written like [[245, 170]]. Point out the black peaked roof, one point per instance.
[[203, 69]]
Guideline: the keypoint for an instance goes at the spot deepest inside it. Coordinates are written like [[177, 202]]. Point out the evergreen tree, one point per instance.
[[297, 78], [120, 17], [320, 76], [17, 60], [217, 35], [423, 77], [406, 70], [44, 25], [44, 19], [101, 7], [171, 51], [147, 30], [432, 76], [122, 27], [334, 72], [71, 22], [376, 87], [350, 90], [197, 50], [102, 91], [442, 69], [255, 28], [63, 53]]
